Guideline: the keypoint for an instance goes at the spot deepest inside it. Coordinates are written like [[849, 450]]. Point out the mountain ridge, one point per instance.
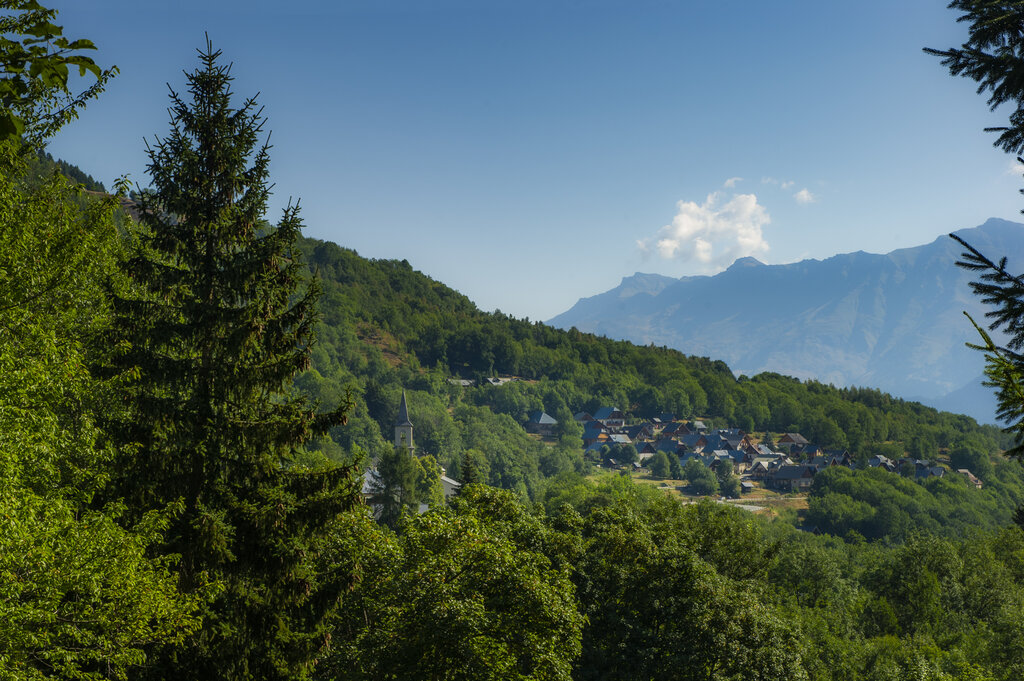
[[891, 321]]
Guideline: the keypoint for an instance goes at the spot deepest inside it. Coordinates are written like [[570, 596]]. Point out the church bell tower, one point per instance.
[[403, 427]]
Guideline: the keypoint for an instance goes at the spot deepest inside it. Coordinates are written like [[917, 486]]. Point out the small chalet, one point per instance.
[[793, 477], [668, 445], [885, 462], [930, 472], [541, 424], [676, 428], [592, 437], [694, 442], [841, 455], [807, 451], [646, 449], [610, 416], [643, 431], [971, 479], [716, 458], [828, 461], [758, 469], [717, 441]]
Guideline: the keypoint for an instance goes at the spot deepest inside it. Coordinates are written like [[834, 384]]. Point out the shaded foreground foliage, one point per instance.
[[78, 592]]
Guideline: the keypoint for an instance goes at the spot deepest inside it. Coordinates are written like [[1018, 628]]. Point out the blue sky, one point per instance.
[[528, 153]]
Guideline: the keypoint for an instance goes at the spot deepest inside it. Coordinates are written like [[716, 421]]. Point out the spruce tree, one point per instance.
[[993, 57], [393, 487], [469, 473], [217, 325]]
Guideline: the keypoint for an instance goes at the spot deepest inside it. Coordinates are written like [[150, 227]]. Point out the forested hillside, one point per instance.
[[387, 323], [387, 327]]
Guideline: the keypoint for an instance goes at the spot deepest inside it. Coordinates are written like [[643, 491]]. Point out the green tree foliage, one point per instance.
[[470, 470], [428, 481], [658, 602], [624, 453], [401, 482], [964, 456], [464, 594], [993, 56], [928, 608], [216, 328], [674, 468], [72, 172], [78, 598], [393, 487], [36, 98], [878, 504], [728, 482], [660, 466], [701, 478]]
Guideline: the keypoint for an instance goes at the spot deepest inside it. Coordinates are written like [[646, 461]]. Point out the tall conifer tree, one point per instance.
[[993, 57], [219, 323]]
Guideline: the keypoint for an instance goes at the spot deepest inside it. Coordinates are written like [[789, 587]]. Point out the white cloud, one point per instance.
[[1015, 168], [781, 184], [712, 234], [731, 182], [804, 196]]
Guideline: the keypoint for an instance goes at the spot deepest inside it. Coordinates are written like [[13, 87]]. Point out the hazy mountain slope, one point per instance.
[[890, 321]]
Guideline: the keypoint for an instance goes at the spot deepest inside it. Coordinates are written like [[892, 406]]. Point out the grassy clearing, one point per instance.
[[774, 503]]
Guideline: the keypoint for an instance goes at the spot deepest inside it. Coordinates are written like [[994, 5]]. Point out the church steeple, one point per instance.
[[403, 427]]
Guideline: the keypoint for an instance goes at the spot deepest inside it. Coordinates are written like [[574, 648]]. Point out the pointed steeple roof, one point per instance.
[[403, 413]]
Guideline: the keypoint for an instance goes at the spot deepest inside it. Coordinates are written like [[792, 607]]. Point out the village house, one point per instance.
[[592, 437], [694, 442], [880, 461], [929, 472], [676, 429], [541, 424], [792, 478], [610, 416], [822, 461], [971, 479]]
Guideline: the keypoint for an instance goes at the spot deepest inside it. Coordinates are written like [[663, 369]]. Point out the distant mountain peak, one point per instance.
[[890, 321], [746, 261], [643, 282]]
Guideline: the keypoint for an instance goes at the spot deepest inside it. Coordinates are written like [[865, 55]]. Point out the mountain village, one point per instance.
[[787, 464]]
